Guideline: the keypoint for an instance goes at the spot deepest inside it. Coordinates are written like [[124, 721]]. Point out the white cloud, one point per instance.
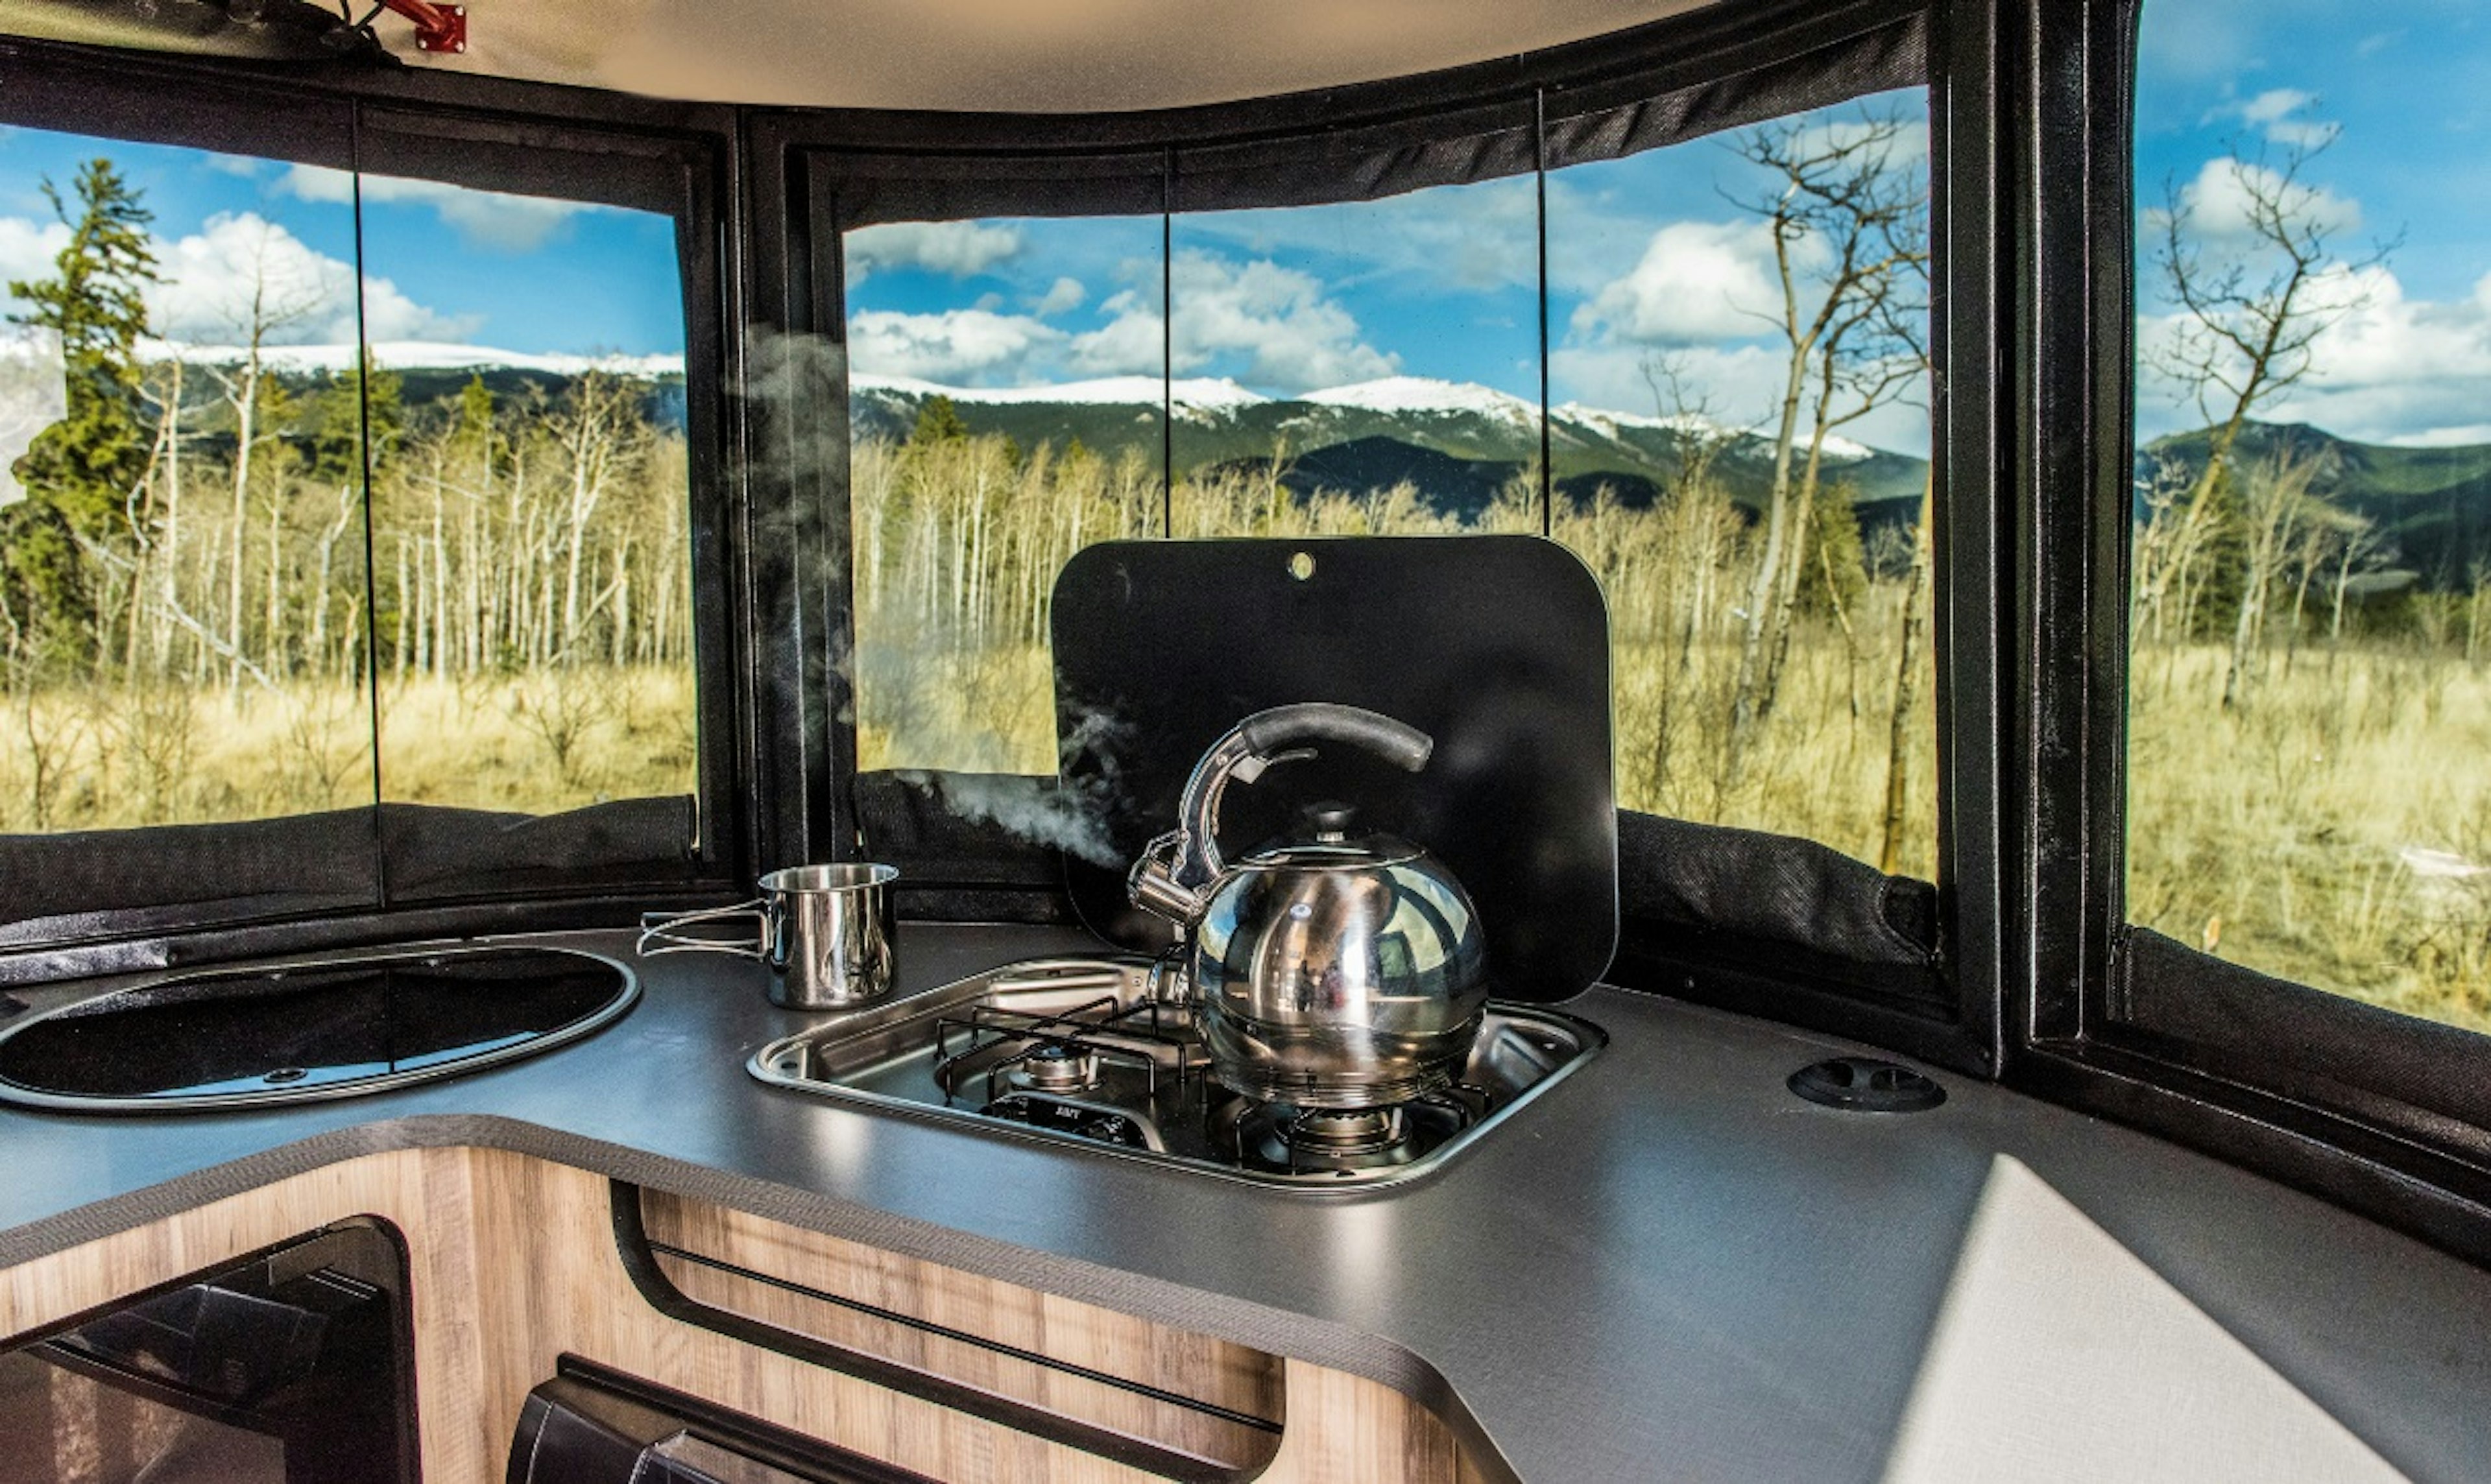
[[2221, 200], [493, 220], [1293, 336], [1478, 237], [212, 278], [28, 248], [1064, 295], [2390, 368], [957, 248], [1697, 281], [34, 395], [962, 347], [1131, 343], [2266, 107], [2280, 114]]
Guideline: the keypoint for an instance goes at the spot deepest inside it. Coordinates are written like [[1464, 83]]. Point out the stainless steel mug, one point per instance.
[[826, 931]]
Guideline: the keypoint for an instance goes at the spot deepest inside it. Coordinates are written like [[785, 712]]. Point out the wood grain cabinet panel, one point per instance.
[[514, 1264], [978, 1333]]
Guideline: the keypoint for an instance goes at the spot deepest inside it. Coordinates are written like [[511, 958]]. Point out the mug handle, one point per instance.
[[658, 931]]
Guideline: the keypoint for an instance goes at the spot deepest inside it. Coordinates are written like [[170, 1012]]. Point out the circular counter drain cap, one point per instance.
[[1865, 1085]]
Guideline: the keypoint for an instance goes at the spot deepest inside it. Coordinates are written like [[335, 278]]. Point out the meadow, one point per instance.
[[533, 644], [101, 757]]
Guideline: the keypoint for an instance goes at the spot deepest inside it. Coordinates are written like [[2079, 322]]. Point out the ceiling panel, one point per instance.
[[1035, 56]]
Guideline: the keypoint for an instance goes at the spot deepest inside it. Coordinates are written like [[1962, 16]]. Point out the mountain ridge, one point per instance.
[[1458, 442]]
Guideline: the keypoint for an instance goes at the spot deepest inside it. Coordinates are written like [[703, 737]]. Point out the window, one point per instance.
[[531, 501], [1007, 384], [2309, 615], [350, 536], [183, 611], [1739, 435], [1376, 366]]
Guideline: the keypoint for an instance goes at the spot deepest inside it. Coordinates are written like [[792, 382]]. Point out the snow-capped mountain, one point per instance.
[[416, 355], [1426, 397], [1411, 401], [1205, 393], [1457, 442]]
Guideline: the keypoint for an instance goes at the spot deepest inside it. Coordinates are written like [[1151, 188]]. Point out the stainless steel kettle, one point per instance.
[[1339, 971]]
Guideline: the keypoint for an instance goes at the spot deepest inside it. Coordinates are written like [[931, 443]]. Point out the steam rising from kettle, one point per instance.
[[1341, 971]]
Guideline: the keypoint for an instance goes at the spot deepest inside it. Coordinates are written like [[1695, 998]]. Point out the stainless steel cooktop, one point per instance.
[[1080, 1050]]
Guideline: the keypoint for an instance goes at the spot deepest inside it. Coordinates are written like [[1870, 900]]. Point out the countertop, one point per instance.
[[1666, 1267]]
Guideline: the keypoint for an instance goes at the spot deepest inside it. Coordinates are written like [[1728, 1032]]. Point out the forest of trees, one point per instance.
[[197, 608]]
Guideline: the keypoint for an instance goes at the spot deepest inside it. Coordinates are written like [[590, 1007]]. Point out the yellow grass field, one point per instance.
[[2334, 829], [105, 757]]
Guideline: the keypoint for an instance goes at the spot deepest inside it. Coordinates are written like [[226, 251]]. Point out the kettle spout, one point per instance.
[[1153, 886]]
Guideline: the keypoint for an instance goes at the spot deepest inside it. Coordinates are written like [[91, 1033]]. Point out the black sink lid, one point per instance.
[[332, 1027]]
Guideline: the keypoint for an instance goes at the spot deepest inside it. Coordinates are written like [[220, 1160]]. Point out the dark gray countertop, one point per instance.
[[1666, 1267]]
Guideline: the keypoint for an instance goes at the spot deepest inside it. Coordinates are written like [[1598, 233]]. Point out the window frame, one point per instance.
[[190, 102], [2368, 1129]]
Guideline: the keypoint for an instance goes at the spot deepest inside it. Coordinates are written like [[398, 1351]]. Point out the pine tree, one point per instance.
[[938, 422], [475, 408], [82, 474], [1838, 581], [87, 465], [339, 421]]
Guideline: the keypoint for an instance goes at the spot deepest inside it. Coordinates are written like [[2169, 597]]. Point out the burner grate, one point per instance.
[[1283, 1140], [994, 1040]]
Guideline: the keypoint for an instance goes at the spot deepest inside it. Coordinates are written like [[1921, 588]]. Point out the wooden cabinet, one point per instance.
[[516, 1263]]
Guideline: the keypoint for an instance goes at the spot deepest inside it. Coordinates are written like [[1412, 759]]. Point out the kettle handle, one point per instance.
[[1268, 732], [1255, 743]]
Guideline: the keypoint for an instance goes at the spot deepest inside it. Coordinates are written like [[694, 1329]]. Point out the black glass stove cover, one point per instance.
[[334, 1027]]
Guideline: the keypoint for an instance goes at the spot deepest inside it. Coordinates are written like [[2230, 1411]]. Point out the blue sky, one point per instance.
[[2397, 95], [441, 263], [1647, 256]]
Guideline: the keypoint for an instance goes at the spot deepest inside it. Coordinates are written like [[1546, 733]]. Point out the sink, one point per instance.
[[336, 1026]]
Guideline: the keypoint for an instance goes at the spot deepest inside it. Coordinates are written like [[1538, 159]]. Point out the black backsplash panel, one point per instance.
[[1496, 646]]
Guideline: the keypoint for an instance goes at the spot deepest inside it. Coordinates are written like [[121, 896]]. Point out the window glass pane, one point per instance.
[[2309, 615], [532, 550], [1367, 367], [1740, 438], [1006, 383], [182, 581]]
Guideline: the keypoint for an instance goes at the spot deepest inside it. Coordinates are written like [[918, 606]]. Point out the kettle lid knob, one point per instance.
[[1329, 820]]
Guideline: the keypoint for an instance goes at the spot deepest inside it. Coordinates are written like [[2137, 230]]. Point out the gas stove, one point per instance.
[[1087, 1051]]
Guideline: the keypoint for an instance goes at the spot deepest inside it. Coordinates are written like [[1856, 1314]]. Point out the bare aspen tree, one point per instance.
[[2274, 504], [1844, 208], [1699, 531], [2253, 298], [2252, 293], [1907, 685], [267, 309], [2363, 551]]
